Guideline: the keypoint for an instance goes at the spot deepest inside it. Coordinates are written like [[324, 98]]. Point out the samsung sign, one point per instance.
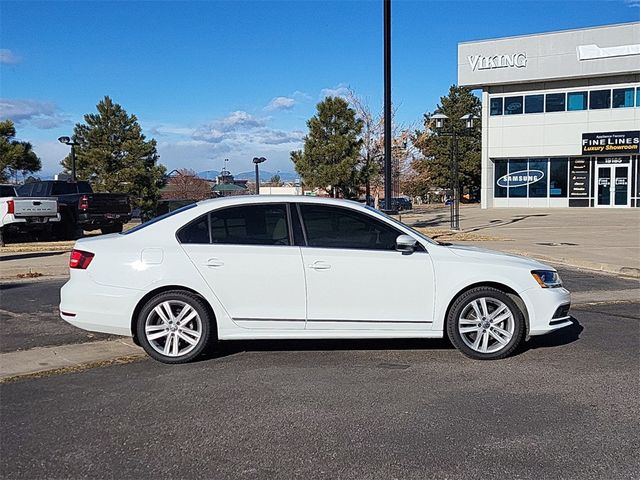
[[514, 60], [520, 178]]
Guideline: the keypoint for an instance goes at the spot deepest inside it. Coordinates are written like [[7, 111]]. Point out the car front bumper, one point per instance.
[[548, 309]]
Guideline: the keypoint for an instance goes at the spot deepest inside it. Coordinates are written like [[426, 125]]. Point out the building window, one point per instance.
[[495, 106], [534, 104], [538, 169], [622, 97], [555, 102], [500, 170], [558, 176], [576, 101], [599, 99], [517, 169], [512, 105], [637, 97]]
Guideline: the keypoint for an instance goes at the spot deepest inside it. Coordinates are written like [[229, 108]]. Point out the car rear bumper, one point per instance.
[[548, 309], [98, 308]]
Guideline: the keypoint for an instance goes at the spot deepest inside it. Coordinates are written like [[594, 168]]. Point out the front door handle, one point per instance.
[[214, 262], [320, 266]]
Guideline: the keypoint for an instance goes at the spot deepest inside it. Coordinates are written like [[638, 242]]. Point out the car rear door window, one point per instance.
[[63, 188], [335, 227], [251, 225]]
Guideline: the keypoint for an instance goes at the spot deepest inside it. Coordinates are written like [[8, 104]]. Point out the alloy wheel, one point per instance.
[[486, 325], [173, 328]]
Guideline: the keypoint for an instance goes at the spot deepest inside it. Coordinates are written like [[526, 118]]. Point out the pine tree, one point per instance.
[[115, 156], [15, 156], [434, 169], [330, 156]]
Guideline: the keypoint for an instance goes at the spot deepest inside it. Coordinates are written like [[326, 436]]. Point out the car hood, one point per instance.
[[491, 256]]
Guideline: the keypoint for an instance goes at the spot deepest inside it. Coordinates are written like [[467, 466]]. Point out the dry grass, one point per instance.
[[50, 246], [445, 235], [76, 368]]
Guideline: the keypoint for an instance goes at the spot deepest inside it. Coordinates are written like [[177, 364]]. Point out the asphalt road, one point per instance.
[[29, 309], [565, 407], [29, 316]]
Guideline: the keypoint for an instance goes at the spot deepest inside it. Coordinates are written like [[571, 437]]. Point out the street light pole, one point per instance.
[[72, 144], [454, 133], [257, 161], [387, 107]]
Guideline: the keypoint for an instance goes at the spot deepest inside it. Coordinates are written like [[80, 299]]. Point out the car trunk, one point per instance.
[[35, 207], [105, 203]]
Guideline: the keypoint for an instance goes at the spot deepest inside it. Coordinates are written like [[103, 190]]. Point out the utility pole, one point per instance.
[[387, 108]]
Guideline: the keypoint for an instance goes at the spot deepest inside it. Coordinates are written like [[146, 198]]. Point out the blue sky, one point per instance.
[[212, 80]]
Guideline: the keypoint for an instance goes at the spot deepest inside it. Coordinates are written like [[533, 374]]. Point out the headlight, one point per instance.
[[547, 278]]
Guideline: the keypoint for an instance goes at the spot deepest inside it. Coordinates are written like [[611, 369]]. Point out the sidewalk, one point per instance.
[[596, 239], [34, 263]]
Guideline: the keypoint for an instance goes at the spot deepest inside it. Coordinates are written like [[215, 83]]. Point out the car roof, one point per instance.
[[254, 199]]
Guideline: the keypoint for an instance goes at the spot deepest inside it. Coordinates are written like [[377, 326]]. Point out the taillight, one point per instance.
[[83, 204], [11, 206], [80, 259]]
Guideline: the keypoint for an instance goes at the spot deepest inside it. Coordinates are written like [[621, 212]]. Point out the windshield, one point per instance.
[[397, 222], [157, 219]]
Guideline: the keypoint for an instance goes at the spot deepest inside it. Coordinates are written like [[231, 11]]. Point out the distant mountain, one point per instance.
[[209, 174], [266, 175]]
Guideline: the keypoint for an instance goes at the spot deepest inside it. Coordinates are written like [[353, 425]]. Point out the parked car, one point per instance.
[[255, 267], [398, 203], [25, 215], [80, 208]]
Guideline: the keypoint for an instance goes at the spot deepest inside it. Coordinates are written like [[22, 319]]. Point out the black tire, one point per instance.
[[115, 228], [207, 325], [494, 349], [67, 228]]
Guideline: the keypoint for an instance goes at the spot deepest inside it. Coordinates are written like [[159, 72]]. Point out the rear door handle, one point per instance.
[[215, 262], [320, 266]]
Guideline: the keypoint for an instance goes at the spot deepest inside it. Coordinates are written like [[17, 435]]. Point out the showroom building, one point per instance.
[[560, 117]]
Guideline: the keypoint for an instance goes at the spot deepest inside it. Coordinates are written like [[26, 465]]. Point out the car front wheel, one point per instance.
[[484, 323], [174, 327]]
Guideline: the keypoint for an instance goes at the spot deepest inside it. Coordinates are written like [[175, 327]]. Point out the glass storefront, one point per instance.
[[602, 181]]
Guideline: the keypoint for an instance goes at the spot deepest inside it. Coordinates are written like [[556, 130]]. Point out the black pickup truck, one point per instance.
[[80, 208]]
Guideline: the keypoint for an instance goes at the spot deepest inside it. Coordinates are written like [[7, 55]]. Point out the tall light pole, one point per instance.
[[454, 133], [72, 144], [257, 161], [388, 203]]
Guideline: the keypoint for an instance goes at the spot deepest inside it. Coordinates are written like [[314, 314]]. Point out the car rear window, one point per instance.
[[158, 219], [7, 191]]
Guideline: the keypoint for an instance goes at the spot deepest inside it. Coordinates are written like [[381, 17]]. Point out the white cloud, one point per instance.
[[238, 136], [340, 90], [43, 115], [7, 57], [280, 103], [632, 3], [51, 152]]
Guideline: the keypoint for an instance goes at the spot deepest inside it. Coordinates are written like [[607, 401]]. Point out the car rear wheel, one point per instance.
[[115, 228], [484, 323], [174, 327]]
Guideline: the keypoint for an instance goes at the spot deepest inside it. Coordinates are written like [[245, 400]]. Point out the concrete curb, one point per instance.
[[43, 359], [572, 262]]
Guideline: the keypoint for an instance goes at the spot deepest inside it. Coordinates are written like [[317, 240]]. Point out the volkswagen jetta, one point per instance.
[[302, 268]]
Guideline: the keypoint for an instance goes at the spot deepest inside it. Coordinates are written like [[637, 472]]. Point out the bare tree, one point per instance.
[[372, 151], [186, 185]]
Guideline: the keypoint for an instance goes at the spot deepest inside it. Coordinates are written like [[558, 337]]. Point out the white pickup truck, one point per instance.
[[25, 214]]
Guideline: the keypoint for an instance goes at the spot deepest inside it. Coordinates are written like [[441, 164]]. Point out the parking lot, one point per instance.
[[565, 407]]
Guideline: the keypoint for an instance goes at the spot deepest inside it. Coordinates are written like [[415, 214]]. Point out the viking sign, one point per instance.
[[520, 178], [482, 62]]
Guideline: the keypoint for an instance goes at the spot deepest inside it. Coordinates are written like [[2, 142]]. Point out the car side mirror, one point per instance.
[[406, 244]]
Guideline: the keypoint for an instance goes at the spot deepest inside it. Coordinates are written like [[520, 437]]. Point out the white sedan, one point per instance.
[[257, 267]]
